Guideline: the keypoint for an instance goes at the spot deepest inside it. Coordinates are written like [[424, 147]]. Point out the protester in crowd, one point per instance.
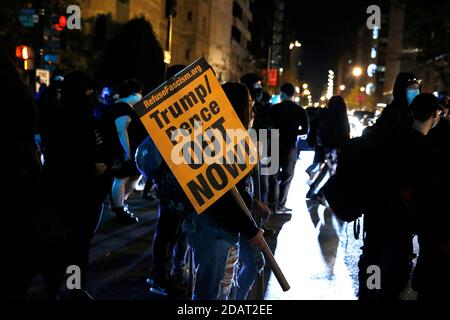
[[23, 245], [315, 116], [73, 212], [396, 116], [169, 242], [128, 132], [387, 230], [214, 235], [333, 134], [432, 221], [291, 120]]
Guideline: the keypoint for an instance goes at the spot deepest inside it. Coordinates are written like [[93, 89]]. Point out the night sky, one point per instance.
[[325, 29]]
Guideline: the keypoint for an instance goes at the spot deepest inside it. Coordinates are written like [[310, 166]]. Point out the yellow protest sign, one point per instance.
[[198, 133]]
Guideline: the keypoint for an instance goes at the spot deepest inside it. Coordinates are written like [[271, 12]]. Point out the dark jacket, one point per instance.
[[288, 117], [227, 214], [334, 130], [396, 116]]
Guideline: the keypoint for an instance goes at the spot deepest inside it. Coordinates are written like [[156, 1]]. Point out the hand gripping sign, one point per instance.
[[201, 138]]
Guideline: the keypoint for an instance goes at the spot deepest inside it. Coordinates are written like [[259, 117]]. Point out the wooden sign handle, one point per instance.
[[264, 247]]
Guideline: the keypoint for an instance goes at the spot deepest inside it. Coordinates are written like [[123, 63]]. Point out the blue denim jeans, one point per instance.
[[252, 262], [212, 246]]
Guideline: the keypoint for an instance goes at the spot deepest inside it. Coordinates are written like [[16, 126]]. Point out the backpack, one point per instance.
[[344, 191], [362, 175], [148, 158]]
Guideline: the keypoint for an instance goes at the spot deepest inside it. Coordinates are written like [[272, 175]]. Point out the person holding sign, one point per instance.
[[214, 235], [204, 140]]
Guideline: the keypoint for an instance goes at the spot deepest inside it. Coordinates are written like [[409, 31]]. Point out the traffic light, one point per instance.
[[171, 5], [25, 54]]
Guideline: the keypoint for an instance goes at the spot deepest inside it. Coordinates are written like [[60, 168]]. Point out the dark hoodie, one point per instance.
[[71, 145], [396, 116]]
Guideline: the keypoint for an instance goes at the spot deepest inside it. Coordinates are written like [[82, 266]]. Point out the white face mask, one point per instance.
[[411, 94]]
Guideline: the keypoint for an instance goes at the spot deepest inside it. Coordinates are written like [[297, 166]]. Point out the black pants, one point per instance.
[[390, 249], [73, 214], [288, 160], [169, 236]]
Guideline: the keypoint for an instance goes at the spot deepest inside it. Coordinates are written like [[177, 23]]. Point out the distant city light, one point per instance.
[[376, 33], [330, 85], [295, 44], [357, 71], [305, 86], [372, 70], [370, 89], [373, 53]]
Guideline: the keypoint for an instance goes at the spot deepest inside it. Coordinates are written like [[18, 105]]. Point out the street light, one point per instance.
[[305, 86], [295, 44], [357, 72], [342, 87]]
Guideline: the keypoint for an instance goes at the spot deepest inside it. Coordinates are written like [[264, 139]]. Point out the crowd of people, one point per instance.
[[88, 145]]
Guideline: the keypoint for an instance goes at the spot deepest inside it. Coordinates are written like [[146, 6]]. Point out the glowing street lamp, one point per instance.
[[295, 44], [357, 72], [305, 86], [342, 87]]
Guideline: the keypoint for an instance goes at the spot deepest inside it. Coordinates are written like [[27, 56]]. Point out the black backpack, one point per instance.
[[362, 175], [344, 191]]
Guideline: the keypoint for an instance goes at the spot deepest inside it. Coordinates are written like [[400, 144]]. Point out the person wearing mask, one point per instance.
[[291, 120], [396, 116], [262, 121], [128, 132], [214, 235], [71, 160]]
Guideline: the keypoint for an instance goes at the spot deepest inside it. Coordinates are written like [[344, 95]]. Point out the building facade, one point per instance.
[[215, 29]]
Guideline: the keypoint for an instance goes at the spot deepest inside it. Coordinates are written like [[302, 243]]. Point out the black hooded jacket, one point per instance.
[[71, 141], [396, 116]]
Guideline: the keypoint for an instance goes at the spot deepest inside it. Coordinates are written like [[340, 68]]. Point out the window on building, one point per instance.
[[189, 16], [373, 53], [236, 34], [237, 10]]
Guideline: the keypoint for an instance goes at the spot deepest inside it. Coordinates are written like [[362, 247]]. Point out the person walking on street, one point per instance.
[[292, 121], [129, 133]]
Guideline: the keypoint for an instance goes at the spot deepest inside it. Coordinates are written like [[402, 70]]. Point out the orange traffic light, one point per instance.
[[24, 52]]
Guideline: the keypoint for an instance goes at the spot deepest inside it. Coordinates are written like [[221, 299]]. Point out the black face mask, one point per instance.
[[258, 94]]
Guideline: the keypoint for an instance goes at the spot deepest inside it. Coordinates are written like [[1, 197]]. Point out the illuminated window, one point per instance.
[[373, 53], [376, 33]]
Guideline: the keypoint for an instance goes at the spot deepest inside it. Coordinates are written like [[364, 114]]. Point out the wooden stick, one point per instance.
[[264, 247]]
